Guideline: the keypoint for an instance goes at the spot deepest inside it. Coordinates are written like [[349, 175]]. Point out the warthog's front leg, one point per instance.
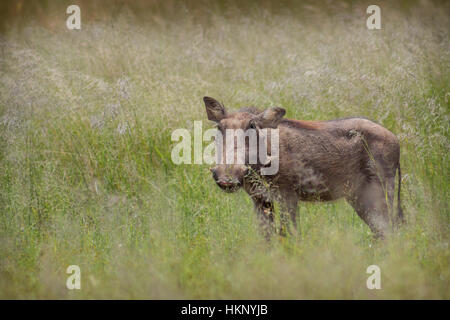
[[265, 213], [288, 210]]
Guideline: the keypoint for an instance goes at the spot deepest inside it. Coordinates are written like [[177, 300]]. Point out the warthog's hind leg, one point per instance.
[[369, 202]]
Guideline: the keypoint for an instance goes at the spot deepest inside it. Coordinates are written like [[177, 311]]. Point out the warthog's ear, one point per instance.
[[214, 109], [270, 118]]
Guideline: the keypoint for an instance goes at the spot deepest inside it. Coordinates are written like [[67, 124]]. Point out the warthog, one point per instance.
[[352, 158]]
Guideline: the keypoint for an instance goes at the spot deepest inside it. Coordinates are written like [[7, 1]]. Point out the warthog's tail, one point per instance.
[[400, 217]]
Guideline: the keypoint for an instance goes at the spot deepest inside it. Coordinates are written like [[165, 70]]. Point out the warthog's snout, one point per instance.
[[229, 178]]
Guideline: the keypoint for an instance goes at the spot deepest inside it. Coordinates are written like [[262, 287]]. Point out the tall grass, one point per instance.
[[86, 176]]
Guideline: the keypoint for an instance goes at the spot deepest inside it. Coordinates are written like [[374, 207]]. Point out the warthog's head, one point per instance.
[[229, 174]]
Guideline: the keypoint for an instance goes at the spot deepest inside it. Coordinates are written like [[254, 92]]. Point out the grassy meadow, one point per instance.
[[86, 176]]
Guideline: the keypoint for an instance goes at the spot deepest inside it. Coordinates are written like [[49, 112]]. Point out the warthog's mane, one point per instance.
[[298, 124]]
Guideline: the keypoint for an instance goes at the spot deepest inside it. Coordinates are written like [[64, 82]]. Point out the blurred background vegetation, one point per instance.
[[51, 14], [85, 123]]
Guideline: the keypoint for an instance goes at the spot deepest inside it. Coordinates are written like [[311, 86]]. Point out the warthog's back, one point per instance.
[[328, 158]]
